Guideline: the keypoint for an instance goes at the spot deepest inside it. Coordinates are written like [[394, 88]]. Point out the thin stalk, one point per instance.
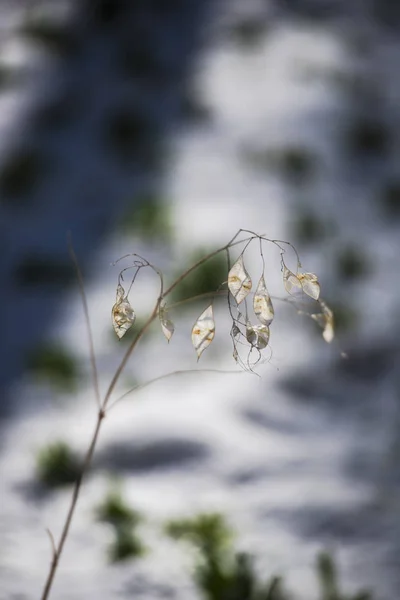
[[57, 549], [95, 375], [75, 495], [128, 353], [198, 297], [141, 386], [205, 259], [89, 455]]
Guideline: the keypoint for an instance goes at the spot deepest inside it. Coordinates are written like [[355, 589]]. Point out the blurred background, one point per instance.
[[162, 127]]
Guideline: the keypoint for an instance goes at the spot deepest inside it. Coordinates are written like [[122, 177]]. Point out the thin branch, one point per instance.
[[71, 510], [57, 549], [205, 259], [167, 376], [198, 297], [95, 375], [52, 542], [145, 263], [128, 353]]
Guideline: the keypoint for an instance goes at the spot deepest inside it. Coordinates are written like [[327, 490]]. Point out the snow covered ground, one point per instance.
[[302, 459]]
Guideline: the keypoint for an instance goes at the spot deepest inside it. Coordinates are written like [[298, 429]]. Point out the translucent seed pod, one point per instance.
[[203, 331], [262, 303], [239, 281]]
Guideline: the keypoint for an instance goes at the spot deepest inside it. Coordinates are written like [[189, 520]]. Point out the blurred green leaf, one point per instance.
[[353, 263], [54, 364], [43, 270], [21, 172], [58, 38], [221, 573], [327, 575], [206, 278], [248, 32], [57, 465], [129, 133], [391, 198], [208, 532], [125, 546], [368, 136], [149, 217], [297, 164], [308, 228], [124, 520], [115, 511]]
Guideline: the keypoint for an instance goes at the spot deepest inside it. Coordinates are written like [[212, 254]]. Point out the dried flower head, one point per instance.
[[122, 313]]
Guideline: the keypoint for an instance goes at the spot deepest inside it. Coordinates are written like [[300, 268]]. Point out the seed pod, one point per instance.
[[257, 335], [167, 326], [203, 331], [262, 304], [309, 283], [122, 313], [239, 281]]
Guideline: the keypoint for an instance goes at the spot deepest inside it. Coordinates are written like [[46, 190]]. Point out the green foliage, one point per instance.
[[294, 163], [391, 198], [193, 110], [54, 364], [39, 269], [128, 133], [345, 316], [57, 465], [352, 263], [208, 532], [328, 579], [106, 12], [149, 217], [54, 37], [223, 574], [309, 229], [115, 511], [248, 32], [139, 60], [125, 546], [8, 76], [326, 570], [21, 172], [206, 278], [57, 112], [368, 137], [124, 521]]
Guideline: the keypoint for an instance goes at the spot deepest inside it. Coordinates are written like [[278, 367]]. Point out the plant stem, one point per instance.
[[95, 375], [204, 259], [57, 551], [89, 454]]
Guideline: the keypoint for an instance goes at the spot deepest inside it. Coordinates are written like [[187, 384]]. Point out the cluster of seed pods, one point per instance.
[[256, 335]]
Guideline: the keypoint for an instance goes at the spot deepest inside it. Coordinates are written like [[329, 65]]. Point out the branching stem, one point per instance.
[[105, 403]]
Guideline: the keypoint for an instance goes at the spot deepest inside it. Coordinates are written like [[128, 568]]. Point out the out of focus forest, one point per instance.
[[162, 127]]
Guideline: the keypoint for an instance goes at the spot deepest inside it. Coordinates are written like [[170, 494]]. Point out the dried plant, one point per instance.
[[250, 331]]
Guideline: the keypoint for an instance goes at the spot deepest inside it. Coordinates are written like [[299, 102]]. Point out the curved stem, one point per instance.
[[92, 354], [205, 258], [197, 297], [141, 386], [57, 549], [75, 495], [89, 454], [128, 353]]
